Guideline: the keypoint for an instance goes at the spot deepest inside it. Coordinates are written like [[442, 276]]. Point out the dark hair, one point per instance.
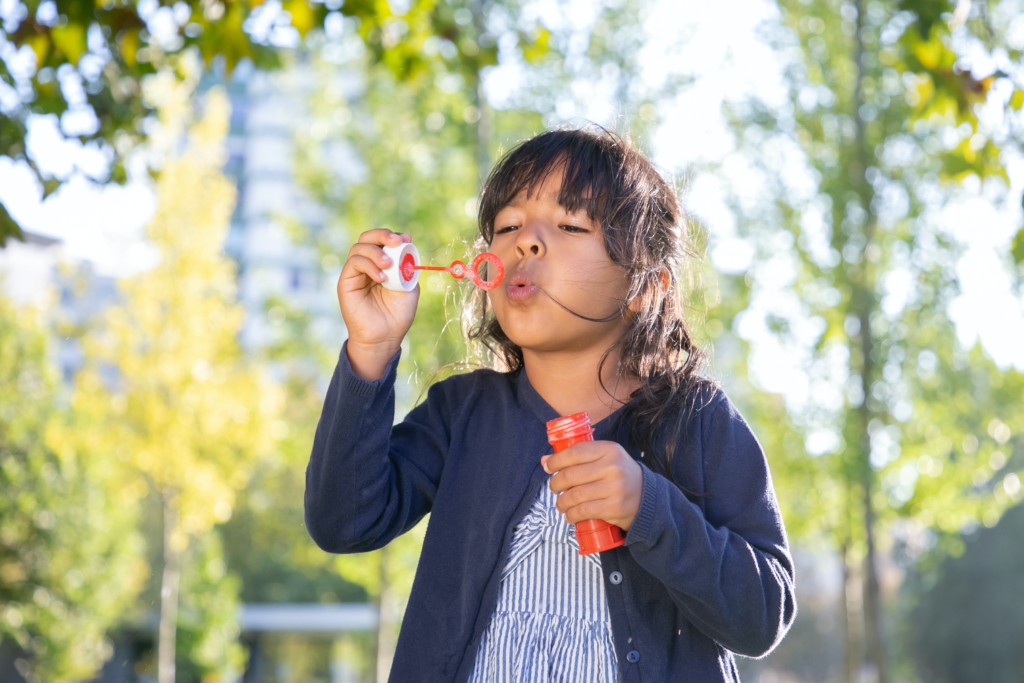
[[645, 233]]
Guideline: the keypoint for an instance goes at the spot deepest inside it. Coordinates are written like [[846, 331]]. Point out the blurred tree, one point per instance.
[[881, 130], [965, 623], [265, 541], [84, 62], [166, 384], [69, 554], [208, 630], [953, 79]]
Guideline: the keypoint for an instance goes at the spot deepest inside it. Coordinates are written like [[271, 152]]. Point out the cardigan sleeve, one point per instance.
[[728, 569], [368, 482]]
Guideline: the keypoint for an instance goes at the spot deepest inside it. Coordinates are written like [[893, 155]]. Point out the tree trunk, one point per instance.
[[866, 304], [850, 614], [375, 655], [872, 597], [485, 124], [169, 590], [385, 622], [390, 610]]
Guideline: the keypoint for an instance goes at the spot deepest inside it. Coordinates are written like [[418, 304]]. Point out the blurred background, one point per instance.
[[180, 184]]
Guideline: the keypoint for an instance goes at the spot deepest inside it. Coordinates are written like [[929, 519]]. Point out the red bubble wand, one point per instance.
[[458, 270]]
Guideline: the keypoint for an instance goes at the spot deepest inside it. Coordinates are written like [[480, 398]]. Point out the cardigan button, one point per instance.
[[615, 578], [632, 656]]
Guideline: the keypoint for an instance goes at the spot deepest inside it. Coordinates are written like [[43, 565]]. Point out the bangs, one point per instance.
[[592, 164]]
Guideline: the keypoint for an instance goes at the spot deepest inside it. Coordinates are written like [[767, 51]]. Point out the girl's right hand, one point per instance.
[[377, 318]]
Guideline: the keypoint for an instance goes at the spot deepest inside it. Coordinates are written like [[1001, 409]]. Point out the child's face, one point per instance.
[[543, 247]]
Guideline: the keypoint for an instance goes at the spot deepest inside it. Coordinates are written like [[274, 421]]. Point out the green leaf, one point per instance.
[[304, 16], [70, 40], [536, 45], [50, 186], [1017, 248], [128, 45], [964, 160], [40, 44], [8, 227]]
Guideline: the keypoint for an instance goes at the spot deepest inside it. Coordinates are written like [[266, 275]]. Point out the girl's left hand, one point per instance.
[[597, 480]]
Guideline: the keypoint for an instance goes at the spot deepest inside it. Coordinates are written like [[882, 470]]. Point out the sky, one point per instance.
[[714, 43]]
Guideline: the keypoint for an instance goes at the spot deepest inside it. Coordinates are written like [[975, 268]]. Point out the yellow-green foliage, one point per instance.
[[167, 393], [70, 559], [937, 435], [167, 384]]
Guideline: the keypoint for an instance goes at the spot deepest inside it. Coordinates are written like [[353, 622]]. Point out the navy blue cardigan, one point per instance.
[[700, 579]]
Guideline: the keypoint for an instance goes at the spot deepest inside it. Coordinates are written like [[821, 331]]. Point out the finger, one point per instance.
[[587, 451], [358, 267], [383, 237], [577, 495], [578, 475], [592, 509], [372, 252]]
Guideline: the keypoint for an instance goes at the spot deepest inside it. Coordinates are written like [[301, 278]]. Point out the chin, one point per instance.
[[524, 339], [538, 340]]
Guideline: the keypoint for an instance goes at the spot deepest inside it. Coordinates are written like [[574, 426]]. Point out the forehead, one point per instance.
[[548, 191]]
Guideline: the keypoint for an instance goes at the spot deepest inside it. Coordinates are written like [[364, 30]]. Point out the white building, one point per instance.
[[267, 111]]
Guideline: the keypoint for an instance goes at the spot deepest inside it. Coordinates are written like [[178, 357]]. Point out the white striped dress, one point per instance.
[[551, 623]]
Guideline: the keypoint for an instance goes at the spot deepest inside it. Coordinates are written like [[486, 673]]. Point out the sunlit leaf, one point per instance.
[[70, 40], [535, 45], [1017, 248], [40, 44], [303, 15], [8, 227], [964, 160]]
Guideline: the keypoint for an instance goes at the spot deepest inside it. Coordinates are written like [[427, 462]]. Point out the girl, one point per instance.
[[588, 318]]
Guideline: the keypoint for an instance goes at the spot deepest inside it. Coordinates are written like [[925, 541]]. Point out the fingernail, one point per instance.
[[387, 259]]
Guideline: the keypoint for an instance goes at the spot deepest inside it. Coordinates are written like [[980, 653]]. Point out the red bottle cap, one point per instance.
[[574, 428]]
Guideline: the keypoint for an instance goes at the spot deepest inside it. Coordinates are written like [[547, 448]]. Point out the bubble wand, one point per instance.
[[403, 273]]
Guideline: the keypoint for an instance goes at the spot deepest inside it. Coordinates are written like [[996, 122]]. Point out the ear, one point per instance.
[[666, 282]]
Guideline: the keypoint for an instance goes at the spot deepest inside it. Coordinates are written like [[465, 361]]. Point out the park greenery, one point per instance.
[[905, 428], [85, 62], [70, 556], [187, 412], [904, 443]]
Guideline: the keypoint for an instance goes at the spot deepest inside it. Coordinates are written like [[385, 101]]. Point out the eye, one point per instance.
[[572, 228], [508, 228]]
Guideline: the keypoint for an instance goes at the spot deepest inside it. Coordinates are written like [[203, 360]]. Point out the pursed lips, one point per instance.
[[520, 286]]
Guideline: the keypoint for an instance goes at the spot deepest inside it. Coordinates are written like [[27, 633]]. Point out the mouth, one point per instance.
[[520, 287]]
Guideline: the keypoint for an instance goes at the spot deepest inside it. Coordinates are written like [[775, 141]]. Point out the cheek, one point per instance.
[[587, 275], [503, 251]]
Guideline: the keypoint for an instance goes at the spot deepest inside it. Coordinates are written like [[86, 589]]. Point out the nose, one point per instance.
[[530, 239]]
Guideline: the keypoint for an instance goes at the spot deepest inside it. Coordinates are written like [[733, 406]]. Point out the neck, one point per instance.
[[567, 381]]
